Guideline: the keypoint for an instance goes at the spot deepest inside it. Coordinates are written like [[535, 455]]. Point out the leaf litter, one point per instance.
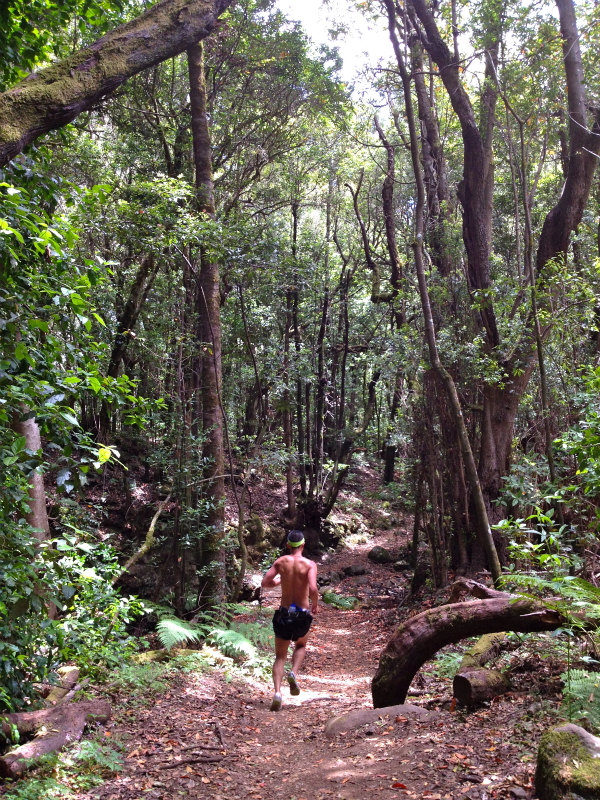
[[210, 737]]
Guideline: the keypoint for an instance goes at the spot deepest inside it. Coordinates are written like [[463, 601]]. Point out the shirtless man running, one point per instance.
[[291, 622]]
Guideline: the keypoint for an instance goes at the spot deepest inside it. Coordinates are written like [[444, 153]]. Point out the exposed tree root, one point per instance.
[[53, 728]]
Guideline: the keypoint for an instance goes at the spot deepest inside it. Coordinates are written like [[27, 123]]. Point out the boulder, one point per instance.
[[255, 531], [401, 566], [568, 765], [329, 579], [354, 569], [365, 716], [380, 555]]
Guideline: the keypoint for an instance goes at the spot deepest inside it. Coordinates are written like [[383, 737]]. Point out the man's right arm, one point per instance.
[[313, 590], [272, 577]]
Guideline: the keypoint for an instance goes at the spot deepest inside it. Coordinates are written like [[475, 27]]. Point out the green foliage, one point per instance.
[[91, 627], [574, 598], [34, 788], [238, 640], [582, 441], [31, 33], [339, 601], [446, 664], [581, 697], [48, 371], [233, 643], [175, 632], [148, 679]]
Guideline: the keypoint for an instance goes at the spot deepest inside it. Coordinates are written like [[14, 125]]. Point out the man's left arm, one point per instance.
[[313, 590]]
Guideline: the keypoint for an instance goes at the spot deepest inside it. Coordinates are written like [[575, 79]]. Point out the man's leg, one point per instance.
[[281, 649], [299, 653]]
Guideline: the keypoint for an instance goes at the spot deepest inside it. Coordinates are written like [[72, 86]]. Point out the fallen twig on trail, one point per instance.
[[219, 732], [207, 760]]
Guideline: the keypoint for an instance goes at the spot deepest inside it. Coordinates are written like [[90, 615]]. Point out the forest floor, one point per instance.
[[208, 736], [208, 732]]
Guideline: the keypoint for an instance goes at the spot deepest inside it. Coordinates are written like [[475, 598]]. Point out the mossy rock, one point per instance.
[[380, 555], [256, 531], [150, 656], [568, 765]]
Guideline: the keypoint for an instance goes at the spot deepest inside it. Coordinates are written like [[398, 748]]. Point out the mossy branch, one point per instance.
[[149, 542], [53, 97]]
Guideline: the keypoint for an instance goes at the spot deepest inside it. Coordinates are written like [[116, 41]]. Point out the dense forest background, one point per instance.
[[228, 267]]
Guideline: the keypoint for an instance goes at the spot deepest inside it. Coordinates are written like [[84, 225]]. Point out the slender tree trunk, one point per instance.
[[142, 283], [298, 349], [209, 314], [484, 532], [390, 448], [38, 515]]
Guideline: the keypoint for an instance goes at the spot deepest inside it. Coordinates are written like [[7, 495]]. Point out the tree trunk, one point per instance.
[[209, 315], [484, 533], [142, 283], [38, 515], [53, 97]]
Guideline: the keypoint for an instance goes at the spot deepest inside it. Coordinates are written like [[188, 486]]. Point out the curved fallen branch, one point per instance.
[[148, 544], [420, 637], [53, 728]]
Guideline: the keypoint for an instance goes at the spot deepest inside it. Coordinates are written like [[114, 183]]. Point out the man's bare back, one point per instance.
[[296, 572]]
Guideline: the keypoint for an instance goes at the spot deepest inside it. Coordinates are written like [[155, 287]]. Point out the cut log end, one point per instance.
[[474, 686]]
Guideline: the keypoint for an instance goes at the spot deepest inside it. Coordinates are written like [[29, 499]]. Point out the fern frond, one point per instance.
[[260, 635], [233, 644], [567, 593], [340, 601], [173, 632], [581, 696]]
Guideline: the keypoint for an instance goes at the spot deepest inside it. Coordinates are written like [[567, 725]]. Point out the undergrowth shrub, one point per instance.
[[245, 643], [581, 697]]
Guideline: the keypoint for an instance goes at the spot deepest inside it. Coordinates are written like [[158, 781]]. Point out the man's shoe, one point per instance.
[[276, 702], [294, 688]]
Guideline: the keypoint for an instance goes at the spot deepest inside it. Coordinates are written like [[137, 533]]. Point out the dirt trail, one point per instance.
[[207, 738]]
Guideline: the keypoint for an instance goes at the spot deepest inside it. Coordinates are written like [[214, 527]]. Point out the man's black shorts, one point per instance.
[[291, 623]]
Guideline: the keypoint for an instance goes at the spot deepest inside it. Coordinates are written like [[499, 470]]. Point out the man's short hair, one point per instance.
[[295, 538]]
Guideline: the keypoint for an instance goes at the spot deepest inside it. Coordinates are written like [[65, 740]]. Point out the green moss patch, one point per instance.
[[568, 764]]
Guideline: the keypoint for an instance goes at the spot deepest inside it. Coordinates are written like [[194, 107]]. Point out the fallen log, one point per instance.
[[53, 728], [420, 637], [484, 649], [473, 686], [68, 677]]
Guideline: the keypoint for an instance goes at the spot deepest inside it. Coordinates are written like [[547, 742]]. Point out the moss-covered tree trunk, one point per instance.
[[53, 97]]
